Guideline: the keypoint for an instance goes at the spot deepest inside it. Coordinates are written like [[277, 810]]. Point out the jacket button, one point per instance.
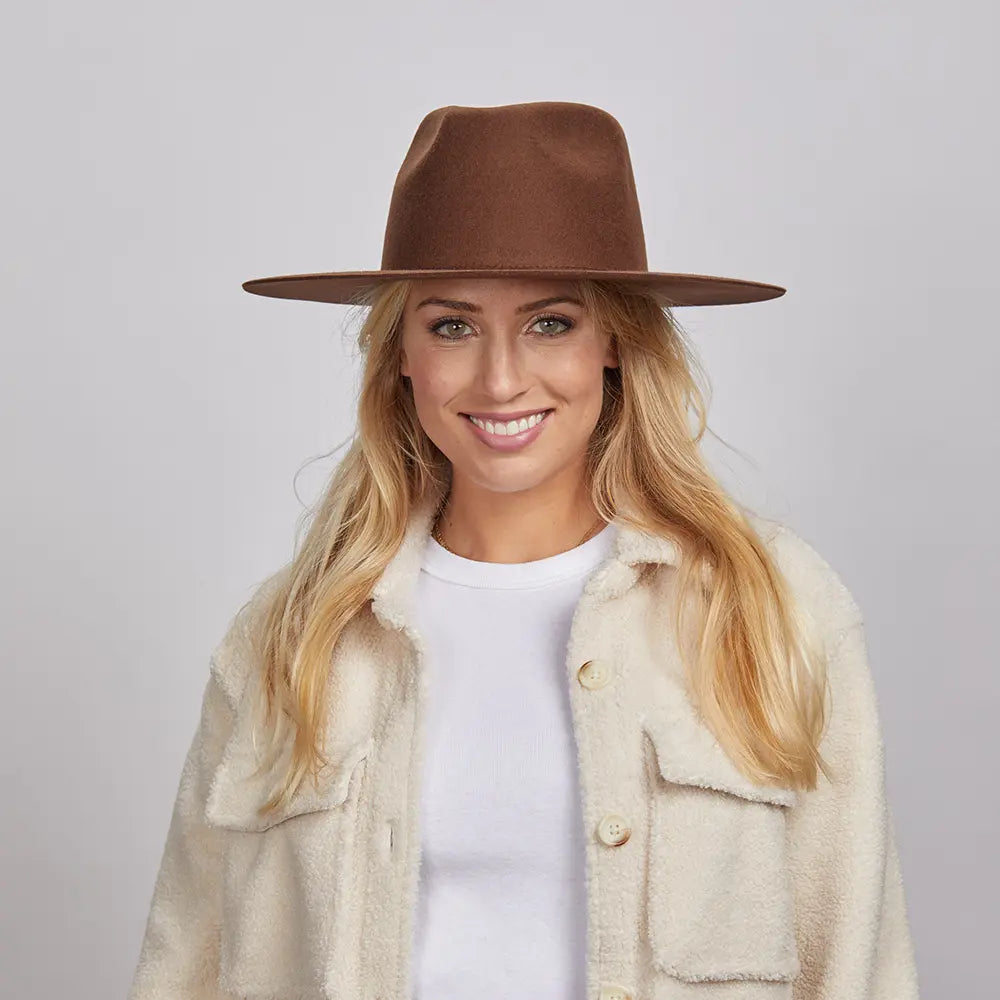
[[609, 991], [613, 830], [593, 674]]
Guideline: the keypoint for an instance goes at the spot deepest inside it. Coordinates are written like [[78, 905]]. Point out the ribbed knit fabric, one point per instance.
[[502, 895]]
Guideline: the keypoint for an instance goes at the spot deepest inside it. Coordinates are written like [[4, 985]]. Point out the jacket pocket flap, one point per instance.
[[687, 753], [237, 795], [719, 892]]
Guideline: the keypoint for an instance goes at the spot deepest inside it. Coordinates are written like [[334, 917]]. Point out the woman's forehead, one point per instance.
[[488, 291]]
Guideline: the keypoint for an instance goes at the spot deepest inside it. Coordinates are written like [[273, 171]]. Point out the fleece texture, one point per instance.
[[723, 889]]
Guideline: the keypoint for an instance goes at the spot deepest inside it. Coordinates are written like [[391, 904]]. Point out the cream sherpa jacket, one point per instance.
[[722, 889]]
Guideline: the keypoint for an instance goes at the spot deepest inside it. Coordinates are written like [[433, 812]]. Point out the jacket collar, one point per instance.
[[393, 594], [686, 753]]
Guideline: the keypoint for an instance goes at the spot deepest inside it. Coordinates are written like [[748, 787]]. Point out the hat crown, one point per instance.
[[546, 185], [537, 190]]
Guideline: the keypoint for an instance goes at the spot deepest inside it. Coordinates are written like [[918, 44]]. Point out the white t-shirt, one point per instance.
[[502, 910]]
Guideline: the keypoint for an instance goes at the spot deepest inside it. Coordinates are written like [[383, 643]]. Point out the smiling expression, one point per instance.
[[507, 375]]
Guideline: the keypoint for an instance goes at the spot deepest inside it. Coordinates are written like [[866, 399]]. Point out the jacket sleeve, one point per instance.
[[852, 931], [179, 955]]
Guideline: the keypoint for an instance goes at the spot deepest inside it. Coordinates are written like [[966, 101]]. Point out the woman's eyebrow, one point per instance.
[[473, 308]]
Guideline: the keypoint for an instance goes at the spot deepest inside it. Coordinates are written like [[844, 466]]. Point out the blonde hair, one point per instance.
[[755, 672]]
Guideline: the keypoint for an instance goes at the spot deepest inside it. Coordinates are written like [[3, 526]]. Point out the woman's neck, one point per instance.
[[514, 527]]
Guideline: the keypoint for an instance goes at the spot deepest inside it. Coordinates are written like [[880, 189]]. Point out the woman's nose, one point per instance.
[[501, 370]]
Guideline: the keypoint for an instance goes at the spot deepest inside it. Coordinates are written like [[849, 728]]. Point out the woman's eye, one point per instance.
[[437, 327], [445, 328], [554, 319]]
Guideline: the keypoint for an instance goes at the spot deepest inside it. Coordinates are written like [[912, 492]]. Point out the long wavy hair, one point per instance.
[[755, 670]]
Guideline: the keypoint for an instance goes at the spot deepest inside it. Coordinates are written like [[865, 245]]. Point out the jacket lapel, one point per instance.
[[394, 593], [686, 751]]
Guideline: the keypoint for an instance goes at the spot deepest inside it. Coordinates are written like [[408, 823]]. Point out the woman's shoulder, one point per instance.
[[814, 579], [233, 658]]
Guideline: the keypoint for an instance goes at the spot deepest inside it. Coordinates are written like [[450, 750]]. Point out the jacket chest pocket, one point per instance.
[[285, 881], [720, 901]]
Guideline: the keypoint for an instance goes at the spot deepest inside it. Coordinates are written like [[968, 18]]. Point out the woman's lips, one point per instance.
[[508, 442]]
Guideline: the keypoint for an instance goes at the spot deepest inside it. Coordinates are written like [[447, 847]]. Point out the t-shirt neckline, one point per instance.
[[443, 564]]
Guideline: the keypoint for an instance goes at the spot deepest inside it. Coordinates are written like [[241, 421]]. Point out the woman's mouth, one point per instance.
[[508, 435]]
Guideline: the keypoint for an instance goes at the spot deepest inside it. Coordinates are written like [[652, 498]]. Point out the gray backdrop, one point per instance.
[[155, 415]]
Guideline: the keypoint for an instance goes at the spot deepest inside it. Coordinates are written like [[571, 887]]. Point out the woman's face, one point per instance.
[[499, 350]]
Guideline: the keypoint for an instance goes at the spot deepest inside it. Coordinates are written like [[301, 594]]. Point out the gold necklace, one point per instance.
[[436, 533]]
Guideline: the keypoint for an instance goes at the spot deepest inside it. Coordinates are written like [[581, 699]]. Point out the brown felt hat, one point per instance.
[[537, 190]]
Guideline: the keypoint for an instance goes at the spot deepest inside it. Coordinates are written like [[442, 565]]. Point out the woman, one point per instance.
[[536, 709]]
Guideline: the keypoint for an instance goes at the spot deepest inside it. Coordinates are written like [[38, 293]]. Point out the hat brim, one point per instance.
[[345, 287]]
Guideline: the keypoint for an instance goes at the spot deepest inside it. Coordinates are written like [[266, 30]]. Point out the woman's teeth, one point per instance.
[[512, 426]]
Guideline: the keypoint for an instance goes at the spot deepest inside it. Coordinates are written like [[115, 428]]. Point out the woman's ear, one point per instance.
[[403, 364], [611, 354]]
